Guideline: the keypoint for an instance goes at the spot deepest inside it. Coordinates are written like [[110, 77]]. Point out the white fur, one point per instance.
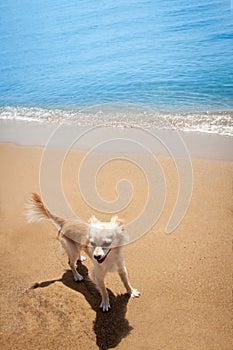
[[102, 241], [112, 235]]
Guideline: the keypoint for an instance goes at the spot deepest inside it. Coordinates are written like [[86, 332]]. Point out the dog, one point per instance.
[[101, 241]]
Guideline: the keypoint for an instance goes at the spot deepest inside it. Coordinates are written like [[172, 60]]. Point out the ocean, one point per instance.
[[136, 62]]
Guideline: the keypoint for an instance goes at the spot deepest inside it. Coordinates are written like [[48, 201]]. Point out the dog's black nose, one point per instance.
[[97, 257]]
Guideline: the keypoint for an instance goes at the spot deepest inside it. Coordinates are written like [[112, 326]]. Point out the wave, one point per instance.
[[217, 122]]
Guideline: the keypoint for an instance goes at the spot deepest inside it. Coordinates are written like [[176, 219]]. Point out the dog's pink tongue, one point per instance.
[[101, 260]]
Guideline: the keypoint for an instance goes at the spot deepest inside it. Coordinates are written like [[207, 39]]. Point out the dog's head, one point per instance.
[[104, 236]]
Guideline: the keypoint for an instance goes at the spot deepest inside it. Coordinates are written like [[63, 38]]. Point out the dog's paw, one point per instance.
[[105, 306], [78, 278], [134, 293], [82, 258]]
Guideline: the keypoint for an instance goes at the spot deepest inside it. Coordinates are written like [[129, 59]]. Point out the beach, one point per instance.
[[184, 277], [117, 108]]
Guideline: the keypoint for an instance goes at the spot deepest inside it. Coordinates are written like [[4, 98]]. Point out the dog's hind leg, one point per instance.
[[77, 276], [73, 252], [81, 258]]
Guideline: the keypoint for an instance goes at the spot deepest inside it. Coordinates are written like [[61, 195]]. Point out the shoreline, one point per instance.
[[159, 142], [210, 121]]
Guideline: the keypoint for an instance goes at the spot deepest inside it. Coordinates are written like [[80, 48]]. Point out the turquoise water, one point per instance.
[[58, 57]]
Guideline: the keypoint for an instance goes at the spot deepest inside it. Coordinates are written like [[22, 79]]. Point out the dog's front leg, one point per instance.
[[105, 305], [124, 277]]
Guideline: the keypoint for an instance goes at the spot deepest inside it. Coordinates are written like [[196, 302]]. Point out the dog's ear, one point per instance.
[[119, 230], [121, 234], [119, 222], [114, 219], [93, 220]]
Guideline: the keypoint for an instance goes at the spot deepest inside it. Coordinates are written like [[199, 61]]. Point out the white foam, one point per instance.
[[208, 122]]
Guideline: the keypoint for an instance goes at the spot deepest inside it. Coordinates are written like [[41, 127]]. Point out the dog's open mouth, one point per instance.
[[100, 261]]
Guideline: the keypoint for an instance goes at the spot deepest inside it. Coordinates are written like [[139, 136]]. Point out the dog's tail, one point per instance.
[[37, 211]]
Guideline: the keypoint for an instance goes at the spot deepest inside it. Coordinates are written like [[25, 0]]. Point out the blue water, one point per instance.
[[174, 56]]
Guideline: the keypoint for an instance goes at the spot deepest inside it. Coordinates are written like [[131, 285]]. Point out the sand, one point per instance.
[[184, 278]]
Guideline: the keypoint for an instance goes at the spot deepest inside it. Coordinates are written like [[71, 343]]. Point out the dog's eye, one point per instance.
[[92, 244], [106, 244]]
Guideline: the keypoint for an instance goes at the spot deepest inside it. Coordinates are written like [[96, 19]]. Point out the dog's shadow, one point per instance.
[[110, 327]]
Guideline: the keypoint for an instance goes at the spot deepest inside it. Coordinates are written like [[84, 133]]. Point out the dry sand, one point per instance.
[[184, 278]]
